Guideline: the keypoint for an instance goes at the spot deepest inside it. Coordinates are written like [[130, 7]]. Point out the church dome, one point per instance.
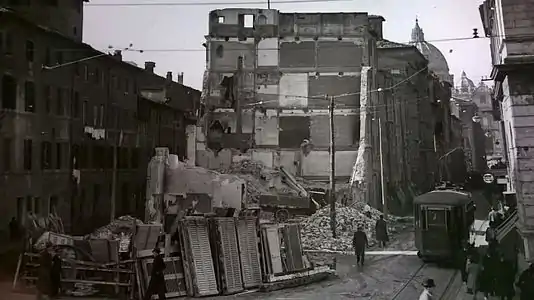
[[466, 84], [436, 60]]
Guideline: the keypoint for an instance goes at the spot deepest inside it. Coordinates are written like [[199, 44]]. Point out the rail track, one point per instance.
[[446, 283]]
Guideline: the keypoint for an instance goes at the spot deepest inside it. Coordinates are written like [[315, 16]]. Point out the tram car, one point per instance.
[[443, 219]]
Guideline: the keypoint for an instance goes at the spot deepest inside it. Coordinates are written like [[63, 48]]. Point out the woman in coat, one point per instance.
[[44, 284]]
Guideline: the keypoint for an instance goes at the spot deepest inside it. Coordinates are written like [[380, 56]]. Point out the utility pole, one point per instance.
[[268, 4], [382, 178], [332, 168], [116, 147], [240, 83]]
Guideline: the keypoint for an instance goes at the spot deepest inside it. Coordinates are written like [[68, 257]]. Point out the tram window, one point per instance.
[[424, 223], [436, 217]]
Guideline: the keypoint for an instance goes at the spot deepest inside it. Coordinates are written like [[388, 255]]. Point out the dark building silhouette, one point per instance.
[[63, 122]]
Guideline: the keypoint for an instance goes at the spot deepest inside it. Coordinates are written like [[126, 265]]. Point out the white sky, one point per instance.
[[184, 27]]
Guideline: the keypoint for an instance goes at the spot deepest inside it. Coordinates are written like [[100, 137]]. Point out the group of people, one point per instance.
[[360, 241], [49, 274]]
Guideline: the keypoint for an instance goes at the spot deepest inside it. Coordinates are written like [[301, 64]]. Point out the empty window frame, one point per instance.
[[28, 152], [7, 152], [29, 96], [47, 91], [9, 92], [220, 19], [46, 155], [30, 51], [59, 156]]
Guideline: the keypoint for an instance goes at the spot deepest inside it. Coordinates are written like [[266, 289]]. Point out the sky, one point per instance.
[[172, 36]]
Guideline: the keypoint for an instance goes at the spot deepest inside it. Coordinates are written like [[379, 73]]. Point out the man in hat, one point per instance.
[[429, 285], [157, 279], [359, 242]]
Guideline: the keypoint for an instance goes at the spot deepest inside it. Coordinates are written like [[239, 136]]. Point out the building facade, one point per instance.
[[64, 125], [408, 122], [270, 78], [510, 27]]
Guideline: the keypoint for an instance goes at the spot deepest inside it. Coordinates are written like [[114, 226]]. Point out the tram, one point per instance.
[[443, 219]]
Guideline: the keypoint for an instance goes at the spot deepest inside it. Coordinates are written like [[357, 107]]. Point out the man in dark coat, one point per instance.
[[55, 274], [487, 274], [157, 279], [525, 283], [359, 242], [505, 277], [43, 277], [381, 231]]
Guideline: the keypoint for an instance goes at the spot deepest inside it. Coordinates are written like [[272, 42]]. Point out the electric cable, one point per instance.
[[210, 3], [338, 44]]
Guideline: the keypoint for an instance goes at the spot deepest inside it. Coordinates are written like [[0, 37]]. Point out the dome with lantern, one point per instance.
[[436, 60]]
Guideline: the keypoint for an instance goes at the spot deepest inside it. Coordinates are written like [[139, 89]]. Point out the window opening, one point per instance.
[[59, 156], [9, 92], [52, 204], [76, 105], [220, 20], [7, 148], [30, 51], [29, 96], [248, 21], [46, 155], [27, 155]]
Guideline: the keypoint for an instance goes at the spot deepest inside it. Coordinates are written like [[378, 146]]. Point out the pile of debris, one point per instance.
[[316, 233], [259, 179], [115, 229]]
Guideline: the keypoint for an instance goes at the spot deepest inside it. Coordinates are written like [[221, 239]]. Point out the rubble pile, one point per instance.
[[116, 229], [255, 174], [316, 233]]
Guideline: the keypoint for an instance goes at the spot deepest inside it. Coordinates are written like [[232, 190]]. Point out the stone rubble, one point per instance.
[[317, 235], [258, 178]]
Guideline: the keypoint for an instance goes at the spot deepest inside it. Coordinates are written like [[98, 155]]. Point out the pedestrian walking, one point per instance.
[[44, 289], [486, 282], [505, 278], [381, 232], [429, 286], [360, 242], [493, 214], [473, 268], [156, 286], [491, 235], [525, 283], [55, 273]]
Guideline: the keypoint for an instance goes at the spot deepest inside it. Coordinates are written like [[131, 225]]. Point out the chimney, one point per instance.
[[181, 78], [149, 66], [169, 76], [118, 55]]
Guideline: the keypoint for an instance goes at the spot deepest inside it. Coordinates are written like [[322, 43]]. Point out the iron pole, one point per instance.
[[332, 169], [382, 177]]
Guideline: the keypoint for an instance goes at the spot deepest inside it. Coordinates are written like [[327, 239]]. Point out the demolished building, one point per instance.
[[266, 95]]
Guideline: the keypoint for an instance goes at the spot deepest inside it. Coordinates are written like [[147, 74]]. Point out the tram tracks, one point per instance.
[[446, 283]]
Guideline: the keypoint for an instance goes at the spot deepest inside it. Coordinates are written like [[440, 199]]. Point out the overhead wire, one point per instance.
[[337, 45], [210, 3]]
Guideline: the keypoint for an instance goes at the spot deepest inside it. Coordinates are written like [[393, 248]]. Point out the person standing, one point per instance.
[[525, 283], [473, 268], [156, 286], [381, 231], [55, 274], [487, 275], [360, 242], [429, 286], [44, 289], [505, 277]]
